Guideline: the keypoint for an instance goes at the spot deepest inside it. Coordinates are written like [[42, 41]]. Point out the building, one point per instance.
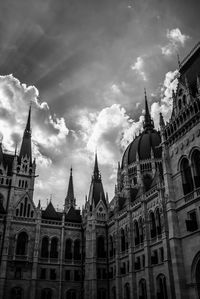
[[143, 244]]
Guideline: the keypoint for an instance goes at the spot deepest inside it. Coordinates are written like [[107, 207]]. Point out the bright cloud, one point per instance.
[[138, 67], [165, 105], [176, 39]]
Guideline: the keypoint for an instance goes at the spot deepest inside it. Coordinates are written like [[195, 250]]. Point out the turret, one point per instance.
[[96, 192], [70, 200], [148, 122], [26, 150]]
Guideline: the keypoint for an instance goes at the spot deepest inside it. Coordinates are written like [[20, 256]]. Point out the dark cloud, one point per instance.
[[79, 53]]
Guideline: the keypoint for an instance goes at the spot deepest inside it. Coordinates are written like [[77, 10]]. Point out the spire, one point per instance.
[[26, 141], [148, 123], [70, 200], [162, 123], [96, 173]]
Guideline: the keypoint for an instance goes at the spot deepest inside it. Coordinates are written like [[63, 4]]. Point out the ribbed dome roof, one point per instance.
[[147, 140], [142, 144]]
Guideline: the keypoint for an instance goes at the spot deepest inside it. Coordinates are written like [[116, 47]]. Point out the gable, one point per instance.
[[25, 207]]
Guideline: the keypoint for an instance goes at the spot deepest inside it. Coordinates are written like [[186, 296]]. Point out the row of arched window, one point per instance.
[[5, 181], [23, 184], [24, 210], [49, 248], [182, 117], [46, 293], [155, 230], [190, 172], [161, 289]]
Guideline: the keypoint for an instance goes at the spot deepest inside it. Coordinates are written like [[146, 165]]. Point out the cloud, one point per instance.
[[176, 39], [138, 67], [165, 104]]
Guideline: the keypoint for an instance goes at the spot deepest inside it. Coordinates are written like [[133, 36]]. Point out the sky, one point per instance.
[[84, 66]]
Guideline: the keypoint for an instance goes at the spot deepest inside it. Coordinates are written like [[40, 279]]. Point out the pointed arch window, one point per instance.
[[54, 248], [68, 249], [186, 174], [71, 294], [136, 232], [122, 240], [16, 293], [101, 294], [161, 287], [45, 247], [158, 222], [127, 291], [152, 225], [46, 293], [111, 246], [114, 293], [141, 230], [142, 289], [101, 253], [22, 244], [196, 167], [77, 249]]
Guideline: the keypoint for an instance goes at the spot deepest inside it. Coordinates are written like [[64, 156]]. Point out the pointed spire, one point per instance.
[[162, 123], [96, 173], [26, 141], [70, 200], [148, 123]]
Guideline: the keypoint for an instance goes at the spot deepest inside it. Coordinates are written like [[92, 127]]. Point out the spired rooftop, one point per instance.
[[144, 145]]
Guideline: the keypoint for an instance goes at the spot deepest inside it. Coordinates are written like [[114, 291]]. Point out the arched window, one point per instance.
[[127, 291], [136, 232], [46, 293], [68, 249], [101, 247], [122, 240], [142, 289], [71, 294], [158, 222], [186, 174], [77, 249], [22, 244], [101, 294], [1, 199], [54, 248], [141, 230], [152, 225], [184, 99], [179, 104], [196, 167], [111, 246], [126, 238], [45, 247], [113, 292], [16, 293], [161, 287], [197, 278]]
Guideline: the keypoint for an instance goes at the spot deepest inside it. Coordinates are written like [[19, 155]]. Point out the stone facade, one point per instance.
[[143, 244]]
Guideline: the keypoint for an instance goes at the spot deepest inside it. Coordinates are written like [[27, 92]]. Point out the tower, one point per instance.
[[70, 200], [96, 238]]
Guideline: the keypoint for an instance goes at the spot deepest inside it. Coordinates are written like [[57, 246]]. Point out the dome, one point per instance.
[[142, 144]]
